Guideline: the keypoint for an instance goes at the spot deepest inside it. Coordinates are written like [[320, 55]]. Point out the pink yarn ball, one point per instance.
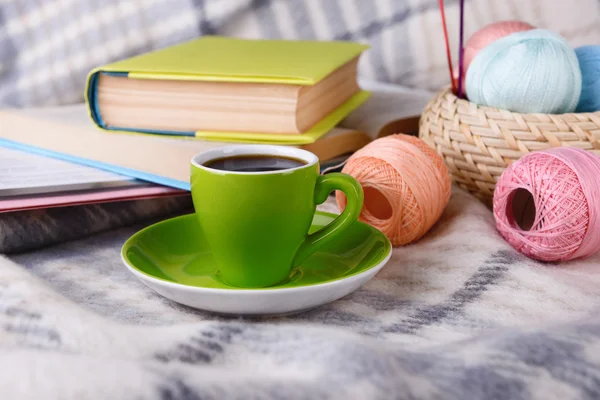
[[547, 204], [489, 34]]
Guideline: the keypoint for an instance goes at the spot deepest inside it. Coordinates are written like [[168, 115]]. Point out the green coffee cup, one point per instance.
[[256, 223]]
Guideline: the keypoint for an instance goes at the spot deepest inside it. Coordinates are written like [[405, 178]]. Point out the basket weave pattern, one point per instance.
[[478, 142]]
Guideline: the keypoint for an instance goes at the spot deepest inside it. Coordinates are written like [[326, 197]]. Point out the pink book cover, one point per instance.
[[89, 197]]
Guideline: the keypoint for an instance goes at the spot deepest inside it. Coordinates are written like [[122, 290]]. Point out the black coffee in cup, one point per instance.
[[254, 163]]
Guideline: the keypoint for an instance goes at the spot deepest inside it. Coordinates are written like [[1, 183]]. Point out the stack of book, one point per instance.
[[146, 116]]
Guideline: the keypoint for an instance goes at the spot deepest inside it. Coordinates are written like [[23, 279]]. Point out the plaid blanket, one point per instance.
[[47, 47], [458, 315]]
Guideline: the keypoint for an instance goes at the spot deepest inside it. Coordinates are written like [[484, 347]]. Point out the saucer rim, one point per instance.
[[248, 291]]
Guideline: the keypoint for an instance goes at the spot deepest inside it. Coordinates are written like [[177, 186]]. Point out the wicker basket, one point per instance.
[[479, 142]]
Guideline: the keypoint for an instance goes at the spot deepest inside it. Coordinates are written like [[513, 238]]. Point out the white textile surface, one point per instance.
[[47, 47], [458, 315]]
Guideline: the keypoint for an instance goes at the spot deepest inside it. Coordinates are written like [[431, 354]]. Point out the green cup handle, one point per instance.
[[325, 185]]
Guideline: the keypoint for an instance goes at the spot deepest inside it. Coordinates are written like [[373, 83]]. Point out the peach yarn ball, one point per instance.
[[406, 186], [489, 34]]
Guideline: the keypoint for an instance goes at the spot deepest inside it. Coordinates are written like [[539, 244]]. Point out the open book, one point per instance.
[[67, 133]]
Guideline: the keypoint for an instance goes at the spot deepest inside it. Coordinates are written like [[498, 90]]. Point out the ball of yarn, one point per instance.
[[406, 186], [535, 71], [489, 34], [546, 205], [589, 63]]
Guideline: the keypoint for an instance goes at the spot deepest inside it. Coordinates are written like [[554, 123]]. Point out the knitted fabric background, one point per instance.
[[47, 47], [459, 315]]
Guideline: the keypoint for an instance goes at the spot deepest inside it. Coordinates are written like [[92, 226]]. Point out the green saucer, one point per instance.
[[176, 251]]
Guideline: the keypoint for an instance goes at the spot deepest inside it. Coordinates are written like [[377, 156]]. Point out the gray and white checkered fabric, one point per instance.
[[458, 315], [48, 46]]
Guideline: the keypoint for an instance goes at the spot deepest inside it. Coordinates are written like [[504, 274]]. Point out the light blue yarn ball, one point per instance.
[[589, 63], [534, 71]]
